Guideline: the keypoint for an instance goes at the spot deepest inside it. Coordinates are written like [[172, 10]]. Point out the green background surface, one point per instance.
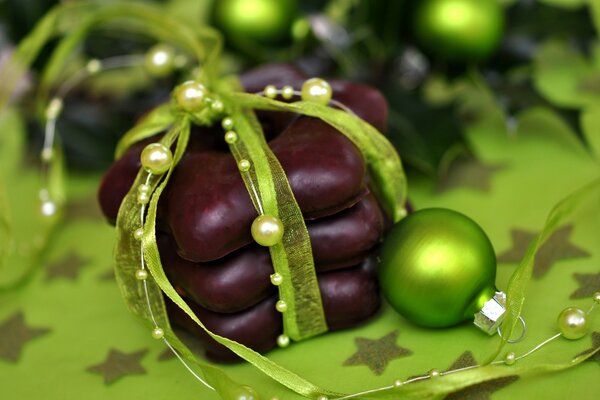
[[539, 164]]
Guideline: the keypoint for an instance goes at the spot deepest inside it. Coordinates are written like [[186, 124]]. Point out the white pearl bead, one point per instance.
[[322, 397], [316, 90], [54, 108], [160, 60], [283, 341], [48, 208], [231, 137], [143, 198], [217, 106], [244, 165], [93, 66], [510, 358], [270, 91], [156, 158], [158, 333], [190, 96], [143, 188], [138, 234], [47, 154], [596, 297], [267, 230], [281, 306], [434, 373], [287, 92], [227, 123], [398, 383], [276, 279], [572, 323], [141, 274]]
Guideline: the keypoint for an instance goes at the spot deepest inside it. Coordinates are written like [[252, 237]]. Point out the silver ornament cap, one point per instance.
[[491, 315]]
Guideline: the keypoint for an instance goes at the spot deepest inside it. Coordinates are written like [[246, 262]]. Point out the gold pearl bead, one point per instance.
[[510, 358], [276, 279], [156, 158], [244, 165], [190, 96], [267, 230], [283, 341], [572, 323], [596, 297], [287, 92], [316, 90], [231, 137], [158, 333], [160, 60], [281, 306], [138, 234], [141, 274], [143, 198], [270, 91], [227, 123]]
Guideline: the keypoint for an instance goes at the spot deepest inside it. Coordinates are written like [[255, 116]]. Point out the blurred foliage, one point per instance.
[[549, 59]]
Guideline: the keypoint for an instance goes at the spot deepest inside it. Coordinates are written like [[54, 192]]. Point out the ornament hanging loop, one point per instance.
[[523, 331]]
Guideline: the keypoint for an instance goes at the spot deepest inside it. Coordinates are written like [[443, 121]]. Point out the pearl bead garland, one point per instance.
[[281, 306], [283, 341], [158, 333], [276, 279]]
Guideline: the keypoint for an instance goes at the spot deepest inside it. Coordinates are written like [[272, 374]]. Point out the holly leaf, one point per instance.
[[564, 77]]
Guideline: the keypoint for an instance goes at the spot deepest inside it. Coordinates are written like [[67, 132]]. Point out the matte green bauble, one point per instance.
[[459, 30], [258, 21], [438, 268]]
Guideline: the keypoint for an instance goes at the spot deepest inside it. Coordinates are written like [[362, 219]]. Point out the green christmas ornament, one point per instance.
[[458, 30], [257, 21], [438, 269]]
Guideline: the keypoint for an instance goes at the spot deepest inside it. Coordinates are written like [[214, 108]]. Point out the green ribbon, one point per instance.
[[292, 258]]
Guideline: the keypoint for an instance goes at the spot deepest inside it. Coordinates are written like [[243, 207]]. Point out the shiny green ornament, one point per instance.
[[438, 269], [257, 21], [459, 30]]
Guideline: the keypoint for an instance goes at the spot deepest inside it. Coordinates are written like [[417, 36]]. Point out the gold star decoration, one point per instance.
[[480, 391], [67, 267], [595, 345], [118, 364], [588, 285], [14, 334], [377, 353], [557, 247], [468, 171]]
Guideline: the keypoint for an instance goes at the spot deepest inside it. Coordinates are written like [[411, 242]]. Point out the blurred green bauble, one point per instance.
[[255, 21], [438, 267], [459, 30]]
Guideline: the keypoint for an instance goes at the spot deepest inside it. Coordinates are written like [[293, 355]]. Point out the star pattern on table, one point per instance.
[[558, 247], [68, 267], [166, 355], [119, 364], [595, 345], [468, 171], [480, 391], [588, 285], [15, 334], [377, 353]]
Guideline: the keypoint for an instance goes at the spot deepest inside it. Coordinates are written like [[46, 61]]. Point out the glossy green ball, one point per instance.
[[259, 21], [437, 268], [459, 30]]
